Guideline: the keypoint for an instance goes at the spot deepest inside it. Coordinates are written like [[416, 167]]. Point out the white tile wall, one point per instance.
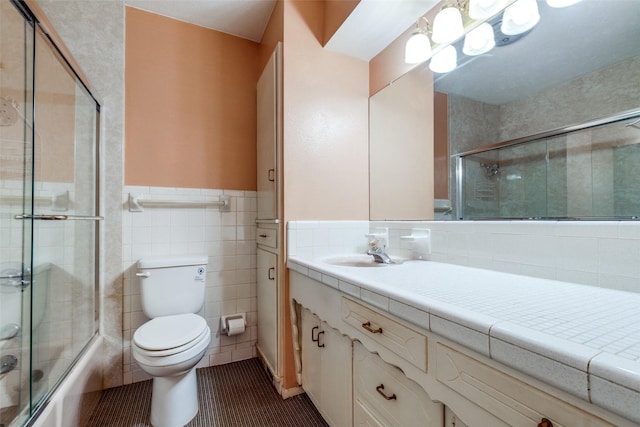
[[597, 253], [227, 238], [58, 285]]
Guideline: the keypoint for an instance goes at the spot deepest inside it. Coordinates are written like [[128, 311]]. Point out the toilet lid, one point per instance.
[[167, 332]]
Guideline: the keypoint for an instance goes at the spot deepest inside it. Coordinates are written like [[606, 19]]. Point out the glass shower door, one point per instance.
[[64, 273], [49, 125], [16, 177]]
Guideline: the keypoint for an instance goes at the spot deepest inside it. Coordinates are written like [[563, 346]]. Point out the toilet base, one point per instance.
[[174, 399]]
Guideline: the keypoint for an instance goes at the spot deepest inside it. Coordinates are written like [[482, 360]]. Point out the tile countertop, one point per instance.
[[581, 339]]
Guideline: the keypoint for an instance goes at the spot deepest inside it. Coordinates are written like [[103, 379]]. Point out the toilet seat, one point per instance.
[[169, 335], [177, 361]]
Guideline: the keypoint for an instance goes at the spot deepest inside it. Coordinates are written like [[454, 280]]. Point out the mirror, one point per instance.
[[577, 64]]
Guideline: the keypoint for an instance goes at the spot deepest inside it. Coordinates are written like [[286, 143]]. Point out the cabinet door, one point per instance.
[[267, 297], [336, 380], [451, 419], [362, 417], [311, 362], [326, 370], [267, 140]]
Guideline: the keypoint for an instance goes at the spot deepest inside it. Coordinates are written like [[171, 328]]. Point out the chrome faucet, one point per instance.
[[378, 253]]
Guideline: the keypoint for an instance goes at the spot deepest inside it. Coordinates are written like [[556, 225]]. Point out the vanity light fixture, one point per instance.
[[447, 25], [418, 47], [483, 9], [562, 3], [479, 40], [444, 61], [520, 17]]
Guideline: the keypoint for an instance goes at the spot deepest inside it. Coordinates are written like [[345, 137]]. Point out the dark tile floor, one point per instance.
[[236, 394]]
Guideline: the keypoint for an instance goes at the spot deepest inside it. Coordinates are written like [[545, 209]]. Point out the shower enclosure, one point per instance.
[[49, 123]]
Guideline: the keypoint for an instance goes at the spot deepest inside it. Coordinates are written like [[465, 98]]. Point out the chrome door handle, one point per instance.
[[145, 274]]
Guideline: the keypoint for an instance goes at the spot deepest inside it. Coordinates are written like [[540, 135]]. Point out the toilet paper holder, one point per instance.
[[224, 322]]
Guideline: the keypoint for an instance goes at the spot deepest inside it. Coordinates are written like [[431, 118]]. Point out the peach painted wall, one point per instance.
[[190, 101], [326, 167], [389, 64]]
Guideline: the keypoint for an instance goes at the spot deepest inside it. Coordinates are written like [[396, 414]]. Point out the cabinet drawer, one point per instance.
[[405, 342], [267, 237], [383, 395], [514, 401]]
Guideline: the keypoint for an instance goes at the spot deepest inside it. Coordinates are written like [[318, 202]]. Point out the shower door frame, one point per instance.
[[37, 20]]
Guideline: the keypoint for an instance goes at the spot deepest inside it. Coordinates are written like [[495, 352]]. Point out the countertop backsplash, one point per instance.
[[596, 253]]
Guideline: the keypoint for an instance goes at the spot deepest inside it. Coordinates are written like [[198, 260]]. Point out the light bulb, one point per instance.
[[444, 61], [483, 9], [418, 48], [480, 40], [562, 3], [520, 17], [447, 25]]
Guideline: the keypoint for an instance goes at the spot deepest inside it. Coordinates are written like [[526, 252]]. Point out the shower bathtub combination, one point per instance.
[[49, 127]]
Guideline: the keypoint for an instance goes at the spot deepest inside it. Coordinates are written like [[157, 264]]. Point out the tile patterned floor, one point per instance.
[[236, 394]]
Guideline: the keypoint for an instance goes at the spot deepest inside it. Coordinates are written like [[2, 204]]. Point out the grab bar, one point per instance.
[[137, 203], [58, 202], [60, 217]]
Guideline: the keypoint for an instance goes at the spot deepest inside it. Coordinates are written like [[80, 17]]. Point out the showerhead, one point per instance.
[[492, 169]]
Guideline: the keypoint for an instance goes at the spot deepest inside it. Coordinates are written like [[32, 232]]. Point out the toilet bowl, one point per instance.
[[169, 346]]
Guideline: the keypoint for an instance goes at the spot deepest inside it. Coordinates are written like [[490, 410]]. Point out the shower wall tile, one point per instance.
[[227, 238]]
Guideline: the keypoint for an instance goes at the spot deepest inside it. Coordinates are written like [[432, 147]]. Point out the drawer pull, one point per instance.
[[264, 236], [271, 274], [318, 341], [315, 328], [368, 327], [392, 397], [545, 423]]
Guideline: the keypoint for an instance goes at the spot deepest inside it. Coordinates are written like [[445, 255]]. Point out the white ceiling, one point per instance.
[[369, 29], [374, 24], [242, 18]]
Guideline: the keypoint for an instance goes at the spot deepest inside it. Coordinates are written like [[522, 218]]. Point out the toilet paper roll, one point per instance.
[[236, 327]]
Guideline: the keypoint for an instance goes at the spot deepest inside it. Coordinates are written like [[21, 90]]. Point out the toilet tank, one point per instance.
[[172, 285]]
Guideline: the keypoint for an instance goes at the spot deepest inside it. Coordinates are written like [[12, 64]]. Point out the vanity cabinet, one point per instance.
[[512, 400], [384, 396], [326, 369], [435, 381]]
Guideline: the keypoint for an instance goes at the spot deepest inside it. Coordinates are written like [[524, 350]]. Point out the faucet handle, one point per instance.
[[379, 238], [373, 243]]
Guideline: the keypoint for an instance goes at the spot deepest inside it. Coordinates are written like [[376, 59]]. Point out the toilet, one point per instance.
[[169, 346]]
